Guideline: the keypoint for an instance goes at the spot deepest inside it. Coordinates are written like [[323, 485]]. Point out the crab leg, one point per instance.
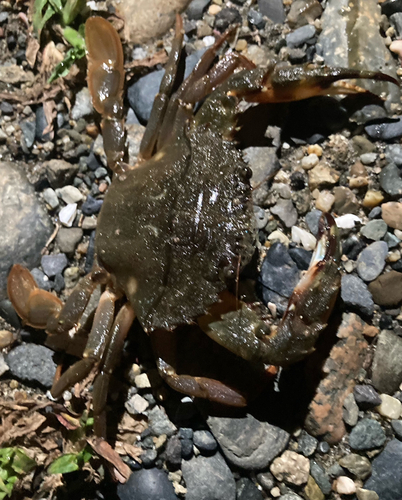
[[306, 316]]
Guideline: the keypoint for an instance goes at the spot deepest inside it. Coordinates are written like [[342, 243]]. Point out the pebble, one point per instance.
[[347, 221], [173, 453], [54, 264], [291, 467], [307, 444], [6, 338], [70, 194], [356, 464], [136, 405], [345, 486], [371, 261], [322, 176], [51, 198], [196, 9], [324, 201], [142, 93], [374, 230], [368, 158], [68, 239], [390, 180], [386, 477], [393, 153], [302, 12], [33, 363], [256, 19], [391, 240], [142, 381], [345, 201], [60, 172], [366, 435], [397, 427], [67, 214], [389, 7], [3, 365], [205, 442], [366, 397], [41, 279], [208, 478], [312, 490], [71, 276], [312, 220], [286, 212], [355, 294], [41, 124], [350, 410], [227, 17], [320, 477], [304, 237], [91, 206], [390, 407], [159, 422], [147, 484], [83, 105], [301, 256], [246, 442], [28, 129], [387, 289], [363, 494], [273, 9], [26, 226], [392, 214], [278, 236], [385, 131], [247, 490], [304, 34], [372, 199], [387, 363]]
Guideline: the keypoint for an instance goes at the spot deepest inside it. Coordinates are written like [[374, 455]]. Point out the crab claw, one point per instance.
[[294, 83], [244, 332]]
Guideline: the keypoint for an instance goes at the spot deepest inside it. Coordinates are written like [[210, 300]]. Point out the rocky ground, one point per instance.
[[332, 425]]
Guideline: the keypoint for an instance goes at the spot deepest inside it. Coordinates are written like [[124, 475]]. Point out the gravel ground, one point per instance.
[[331, 426]]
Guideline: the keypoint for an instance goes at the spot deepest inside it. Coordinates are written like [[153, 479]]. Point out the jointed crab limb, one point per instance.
[[306, 316]]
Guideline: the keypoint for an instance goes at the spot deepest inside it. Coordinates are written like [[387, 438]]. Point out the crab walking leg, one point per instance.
[[105, 83], [162, 98], [245, 334], [163, 343], [118, 334], [97, 342]]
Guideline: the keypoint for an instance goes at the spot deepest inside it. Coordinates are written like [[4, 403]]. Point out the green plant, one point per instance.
[[14, 463], [70, 462]]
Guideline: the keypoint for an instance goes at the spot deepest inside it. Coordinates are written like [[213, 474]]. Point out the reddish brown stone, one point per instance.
[[342, 368], [387, 289]]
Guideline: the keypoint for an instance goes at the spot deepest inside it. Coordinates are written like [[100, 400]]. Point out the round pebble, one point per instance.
[[390, 407], [371, 261], [345, 486], [366, 435]]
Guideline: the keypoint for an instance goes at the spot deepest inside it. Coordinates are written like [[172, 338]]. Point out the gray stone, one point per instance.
[[371, 261], [390, 180], [350, 410], [397, 427], [273, 9], [208, 478], [50, 196], [393, 153], [68, 239], [196, 9], [355, 294], [366, 435], [302, 12], [307, 444], [312, 220], [300, 36], [247, 490], [279, 272], [385, 131], [386, 478], [387, 363], [368, 158], [391, 240], [350, 38], [264, 164], [83, 105], [286, 211], [41, 279], [25, 224], [28, 128], [60, 172], [54, 264], [320, 477], [374, 230], [33, 363], [357, 465], [247, 442], [205, 441], [147, 484], [366, 397], [159, 422]]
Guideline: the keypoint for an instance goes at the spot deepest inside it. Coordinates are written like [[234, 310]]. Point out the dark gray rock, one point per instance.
[[320, 477], [273, 9], [173, 452], [301, 256], [227, 17], [142, 93], [393, 153], [302, 35], [41, 279], [196, 9], [208, 478], [323, 447], [386, 478], [205, 442], [385, 131], [391, 240], [247, 490], [366, 397], [279, 272], [7, 312], [256, 19], [186, 448], [91, 206], [352, 247], [247, 442], [41, 124], [390, 180], [33, 363], [159, 422], [387, 363], [375, 213], [25, 225], [28, 128], [148, 458], [307, 444], [60, 172], [356, 295], [366, 435], [147, 484], [397, 427], [54, 264], [312, 220], [68, 238], [371, 261], [264, 164], [374, 230], [390, 7]]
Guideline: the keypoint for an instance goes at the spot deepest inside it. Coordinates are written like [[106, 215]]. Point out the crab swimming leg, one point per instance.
[[245, 334]]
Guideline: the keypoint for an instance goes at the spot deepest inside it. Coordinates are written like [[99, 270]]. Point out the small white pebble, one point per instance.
[[275, 492], [390, 407], [345, 486], [142, 381], [398, 233], [279, 236], [67, 214], [208, 40], [304, 237], [285, 145], [347, 221], [309, 161]]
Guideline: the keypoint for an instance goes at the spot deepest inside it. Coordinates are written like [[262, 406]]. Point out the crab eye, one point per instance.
[[245, 173]]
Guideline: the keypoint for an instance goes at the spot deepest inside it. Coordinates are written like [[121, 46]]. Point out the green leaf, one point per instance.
[[22, 464], [74, 38], [6, 455], [64, 464], [64, 66], [39, 21], [57, 5], [72, 9]]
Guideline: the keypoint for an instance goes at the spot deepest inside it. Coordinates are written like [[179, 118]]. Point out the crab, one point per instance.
[[177, 228]]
